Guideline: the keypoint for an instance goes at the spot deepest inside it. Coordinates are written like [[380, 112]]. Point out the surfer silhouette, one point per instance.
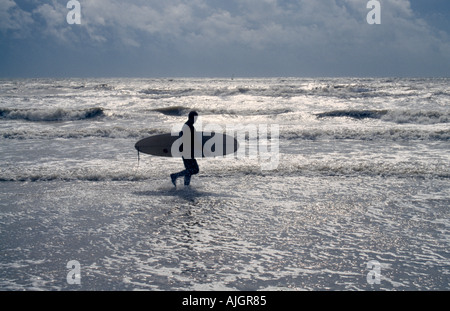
[[190, 163]]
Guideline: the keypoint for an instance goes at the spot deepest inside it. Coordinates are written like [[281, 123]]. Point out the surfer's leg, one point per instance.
[[194, 169], [174, 177], [191, 169], [191, 166], [187, 179]]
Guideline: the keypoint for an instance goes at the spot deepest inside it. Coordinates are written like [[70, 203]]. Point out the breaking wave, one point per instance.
[[278, 90], [212, 91], [118, 132], [287, 88], [387, 134], [112, 132], [356, 114], [50, 115], [71, 175], [183, 111], [173, 110], [368, 168], [288, 168], [406, 116]]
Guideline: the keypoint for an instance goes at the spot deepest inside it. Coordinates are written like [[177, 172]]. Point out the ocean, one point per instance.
[[358, 199]]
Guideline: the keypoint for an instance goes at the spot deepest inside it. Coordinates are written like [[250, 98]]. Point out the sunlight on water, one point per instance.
[[363, 175]]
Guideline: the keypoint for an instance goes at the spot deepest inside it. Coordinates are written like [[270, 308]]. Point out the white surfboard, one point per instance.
[[213, 144]]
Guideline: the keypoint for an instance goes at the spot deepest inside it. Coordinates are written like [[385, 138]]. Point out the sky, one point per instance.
[[224, 38]]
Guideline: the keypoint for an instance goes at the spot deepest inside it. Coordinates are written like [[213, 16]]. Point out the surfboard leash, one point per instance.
[[139, 158]]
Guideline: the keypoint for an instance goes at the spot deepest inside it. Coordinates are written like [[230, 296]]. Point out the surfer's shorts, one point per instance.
[[191, 166]]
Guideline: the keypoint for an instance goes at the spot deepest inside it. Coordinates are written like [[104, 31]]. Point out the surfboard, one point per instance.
[[213, 144]]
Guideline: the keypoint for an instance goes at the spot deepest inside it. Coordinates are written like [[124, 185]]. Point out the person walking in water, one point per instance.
[[190, 163]]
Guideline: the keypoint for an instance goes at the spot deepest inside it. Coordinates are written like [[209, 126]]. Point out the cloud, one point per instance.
[[304, 36], [52, 17], [13, 19], [133, 22]]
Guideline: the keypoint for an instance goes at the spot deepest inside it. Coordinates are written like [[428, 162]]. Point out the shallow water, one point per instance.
[[349, 188]]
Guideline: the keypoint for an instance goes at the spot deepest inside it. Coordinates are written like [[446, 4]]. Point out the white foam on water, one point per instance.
[[363, 175]]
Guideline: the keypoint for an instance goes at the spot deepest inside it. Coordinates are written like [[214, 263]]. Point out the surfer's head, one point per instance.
[[193, 116]]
